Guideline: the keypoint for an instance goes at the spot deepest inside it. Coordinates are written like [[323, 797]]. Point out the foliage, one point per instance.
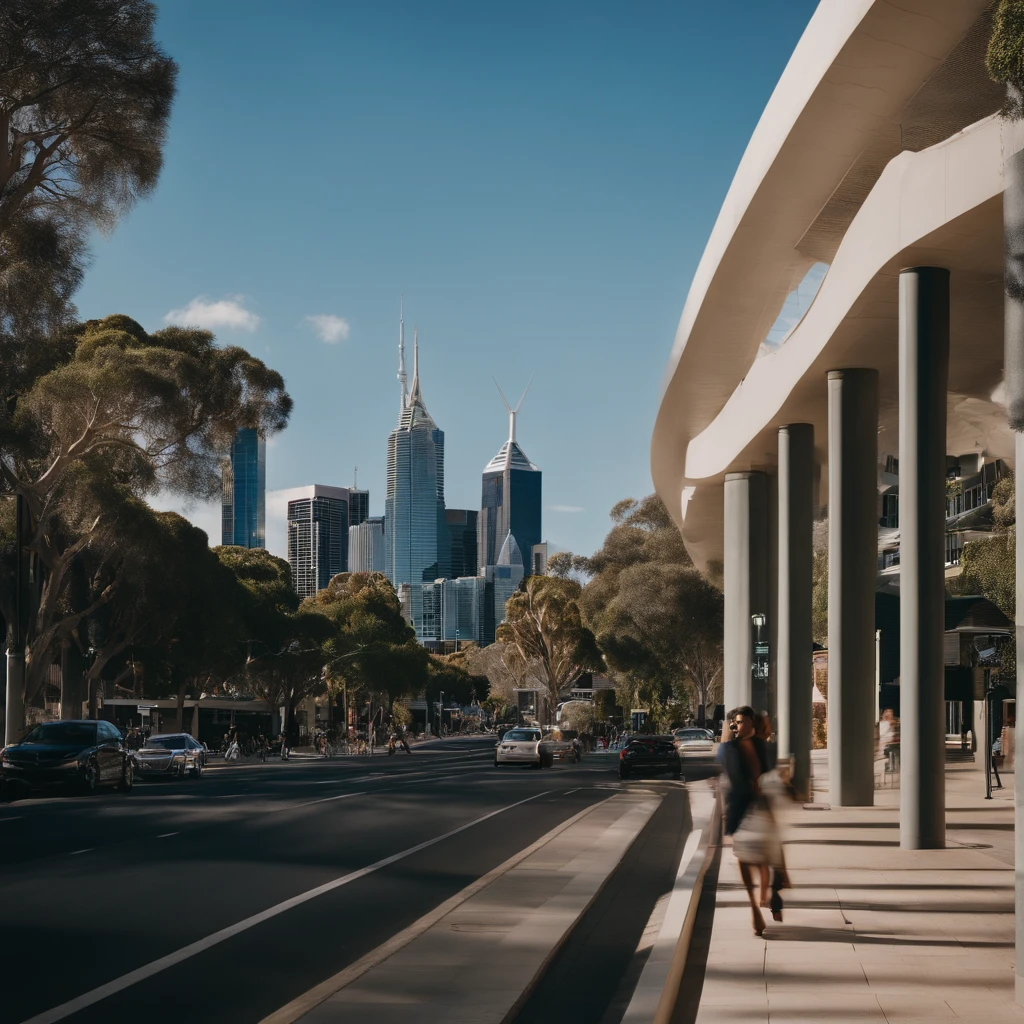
[[1005, 57], [505, 670], [657, 620], [819, 598], [118, 415], [580, 715], [85, 98], [988, 566], [543, 624], [567, 566]]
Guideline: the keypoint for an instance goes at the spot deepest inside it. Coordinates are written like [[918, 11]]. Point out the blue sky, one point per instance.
[[538, 178]]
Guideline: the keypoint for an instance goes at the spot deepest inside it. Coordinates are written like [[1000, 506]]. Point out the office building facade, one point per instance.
[[358, 506], [317, 536], [510, 500], [244, 491], [462, 541], [366, 545], [416, 538]]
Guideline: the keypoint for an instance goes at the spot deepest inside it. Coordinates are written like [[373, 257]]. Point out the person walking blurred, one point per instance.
[[745, 760]]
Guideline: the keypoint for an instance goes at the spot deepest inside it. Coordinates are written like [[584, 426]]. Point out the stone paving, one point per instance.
[[872, 932]]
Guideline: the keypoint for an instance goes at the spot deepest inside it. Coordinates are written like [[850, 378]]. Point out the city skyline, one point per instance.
[[511, 216]]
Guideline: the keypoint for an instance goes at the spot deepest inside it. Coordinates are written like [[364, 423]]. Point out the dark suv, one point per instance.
[[80, 754]]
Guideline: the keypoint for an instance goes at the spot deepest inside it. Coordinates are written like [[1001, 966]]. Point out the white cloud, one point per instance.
[[567, 508], [228, 312], [329, 328]]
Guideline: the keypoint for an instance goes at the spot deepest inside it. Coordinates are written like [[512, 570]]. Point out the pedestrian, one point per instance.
[[747, 820], [776, 870]]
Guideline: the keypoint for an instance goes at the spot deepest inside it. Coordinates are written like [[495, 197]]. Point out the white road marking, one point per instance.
[[96, 995], [297, 1008], [570, 791], [75, 853], [166, 835], [17, 817]]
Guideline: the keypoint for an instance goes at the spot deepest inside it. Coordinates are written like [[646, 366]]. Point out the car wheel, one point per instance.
[[197, 772], [623, 773], [127, 778], [677, 773], [91, 778]]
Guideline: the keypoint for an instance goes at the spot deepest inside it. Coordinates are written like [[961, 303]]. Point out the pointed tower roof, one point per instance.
[[415, 410], [510, 553], [401, 356], [510, 455]]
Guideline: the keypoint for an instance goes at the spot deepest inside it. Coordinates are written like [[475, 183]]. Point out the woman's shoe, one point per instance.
[[776, 906], [758, 923]]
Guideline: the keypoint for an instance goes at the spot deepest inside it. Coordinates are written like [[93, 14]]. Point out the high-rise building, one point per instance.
[[540, 559], [358, 506], [462, 541], [416, 539], [508, 574], [317, 536], [511, 498], [462, 608], [243, 507], [366, 545]]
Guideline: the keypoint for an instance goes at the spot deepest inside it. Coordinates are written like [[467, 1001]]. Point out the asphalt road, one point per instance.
[[223, 899]]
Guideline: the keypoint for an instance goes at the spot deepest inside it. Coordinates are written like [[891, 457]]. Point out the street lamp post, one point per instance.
[[759, 666]]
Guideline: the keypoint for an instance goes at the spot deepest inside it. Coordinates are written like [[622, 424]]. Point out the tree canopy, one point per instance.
[[657, 620]]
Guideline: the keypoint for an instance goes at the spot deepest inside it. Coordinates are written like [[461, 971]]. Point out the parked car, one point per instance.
[[77, 754], [522, 746], [694, 740], [650, 755], [171, 754]]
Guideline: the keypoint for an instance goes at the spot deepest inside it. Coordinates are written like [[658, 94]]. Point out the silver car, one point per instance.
[[174, 753]]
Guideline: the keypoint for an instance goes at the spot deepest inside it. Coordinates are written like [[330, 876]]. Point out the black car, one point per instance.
[[650, 754], [78, 754]]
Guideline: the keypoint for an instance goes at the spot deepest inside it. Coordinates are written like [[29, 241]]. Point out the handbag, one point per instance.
[[757, 841]]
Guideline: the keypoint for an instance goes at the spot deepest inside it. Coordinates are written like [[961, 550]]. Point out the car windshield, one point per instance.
[[523, 734], [692, 734], [63, 734], [166, 743]]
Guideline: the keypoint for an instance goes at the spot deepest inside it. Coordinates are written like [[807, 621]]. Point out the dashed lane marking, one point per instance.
[[102, 992]]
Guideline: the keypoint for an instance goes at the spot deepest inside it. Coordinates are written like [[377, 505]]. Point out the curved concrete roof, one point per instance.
[[860, 160]]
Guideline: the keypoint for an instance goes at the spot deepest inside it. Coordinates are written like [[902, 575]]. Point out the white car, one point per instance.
[[694, 741], [521, 746]]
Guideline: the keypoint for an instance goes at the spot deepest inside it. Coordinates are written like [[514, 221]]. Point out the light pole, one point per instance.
[[759, 666]]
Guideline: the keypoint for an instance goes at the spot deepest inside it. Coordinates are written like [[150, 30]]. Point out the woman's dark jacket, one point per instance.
[[742, 785]]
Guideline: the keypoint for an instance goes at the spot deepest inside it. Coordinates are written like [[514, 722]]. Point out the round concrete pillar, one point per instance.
[[746, 578], [795, 554], [924, 376], [852, 567]]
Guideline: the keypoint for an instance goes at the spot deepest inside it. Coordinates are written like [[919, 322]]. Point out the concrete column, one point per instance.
[[746, 578], [795, 547], [852, 566], [924, 375]]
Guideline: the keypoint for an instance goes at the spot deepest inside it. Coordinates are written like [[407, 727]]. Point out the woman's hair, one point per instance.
[[763, 726]]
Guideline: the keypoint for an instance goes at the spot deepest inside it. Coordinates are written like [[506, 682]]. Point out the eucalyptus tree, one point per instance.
[[120, 415]]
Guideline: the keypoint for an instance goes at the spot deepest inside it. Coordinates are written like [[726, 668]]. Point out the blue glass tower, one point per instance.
[[243, 509], [416, 537], [510, 499]]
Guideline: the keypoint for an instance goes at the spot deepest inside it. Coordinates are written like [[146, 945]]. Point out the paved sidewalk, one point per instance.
[[472, 962], [873, 932]]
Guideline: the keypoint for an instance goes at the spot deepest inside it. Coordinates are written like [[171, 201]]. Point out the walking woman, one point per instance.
[[747, 819]]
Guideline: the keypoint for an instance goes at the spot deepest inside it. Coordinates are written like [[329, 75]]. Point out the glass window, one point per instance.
[[523, 735], [63, 734], [166, 743]]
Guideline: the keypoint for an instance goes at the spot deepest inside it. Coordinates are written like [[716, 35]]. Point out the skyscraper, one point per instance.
[[511, 498], [501, 581], [366, 545], [462, 541], [317, 536], [416, 538], [243, 507], [358, 505]]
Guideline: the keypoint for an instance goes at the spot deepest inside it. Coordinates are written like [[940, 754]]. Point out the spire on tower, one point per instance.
[[401, 353], [512, 412]]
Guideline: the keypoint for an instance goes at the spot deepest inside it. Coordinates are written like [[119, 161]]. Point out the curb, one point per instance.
[[657, 992]]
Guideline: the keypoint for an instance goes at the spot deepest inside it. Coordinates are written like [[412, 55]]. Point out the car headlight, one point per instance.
[[179, 758]]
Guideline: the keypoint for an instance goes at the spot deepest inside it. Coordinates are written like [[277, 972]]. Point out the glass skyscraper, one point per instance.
[[317, 536], [366, 545], [510, 501], [358, 506], [416, 538], [462, 541], [243, 507]]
